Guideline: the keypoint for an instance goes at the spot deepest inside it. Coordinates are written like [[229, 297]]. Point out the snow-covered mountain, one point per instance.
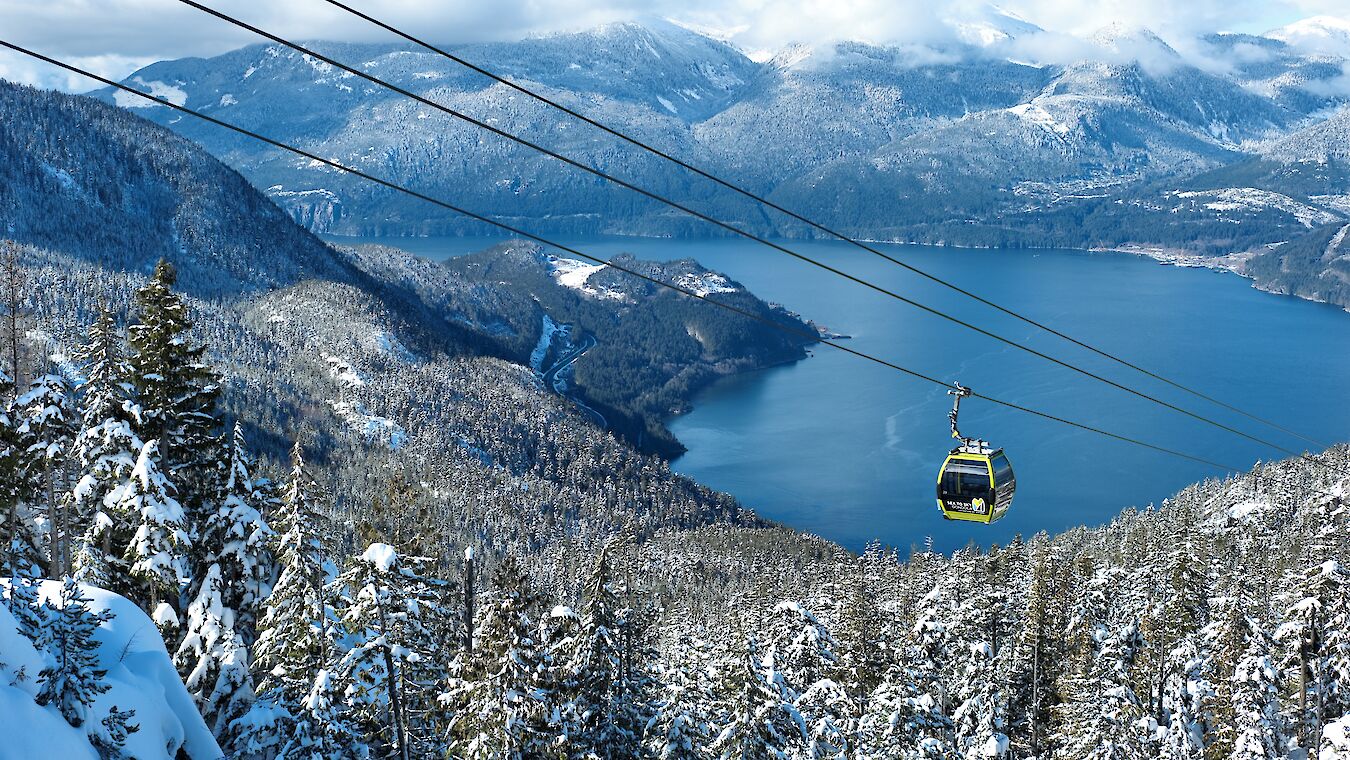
[[987, 138]]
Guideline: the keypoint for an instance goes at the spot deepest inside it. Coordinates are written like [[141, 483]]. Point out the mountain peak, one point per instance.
[[1133, 40], [1320, 34], [989, 25]]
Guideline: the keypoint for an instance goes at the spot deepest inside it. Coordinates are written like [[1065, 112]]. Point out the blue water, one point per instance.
[[847, 449]]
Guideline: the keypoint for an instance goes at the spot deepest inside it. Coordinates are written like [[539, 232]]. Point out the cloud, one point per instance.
[[116, 36]]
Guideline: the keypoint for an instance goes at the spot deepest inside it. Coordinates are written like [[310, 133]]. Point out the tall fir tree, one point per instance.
[[47, 432], [760, 724], [212, 657], [680, 729], [295, 645], [105, 452], [236, 539], [177, 391], [391, 616]]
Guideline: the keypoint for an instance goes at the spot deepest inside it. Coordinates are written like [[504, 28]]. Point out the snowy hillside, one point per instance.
[[884, 141], [505, 577], [137, 673]]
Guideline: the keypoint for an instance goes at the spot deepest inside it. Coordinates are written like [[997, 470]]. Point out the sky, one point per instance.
[[115, 37]]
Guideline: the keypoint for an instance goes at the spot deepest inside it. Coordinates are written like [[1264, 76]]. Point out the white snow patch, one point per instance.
[[545, 340], [1255, 199], [1336, 738], [1242, 511], [344, 372], [1040, 117], [369, 426], [227, 100], [390, 345], [669, 106], [574, 274], [571, 273], [381, 556], [705, 284], [63, 177], [159, 89]]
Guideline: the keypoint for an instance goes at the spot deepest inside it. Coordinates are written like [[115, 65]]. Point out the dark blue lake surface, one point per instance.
[[847, 449]]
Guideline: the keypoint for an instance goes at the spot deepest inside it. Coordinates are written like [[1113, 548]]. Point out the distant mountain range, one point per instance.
[[1234, 147]]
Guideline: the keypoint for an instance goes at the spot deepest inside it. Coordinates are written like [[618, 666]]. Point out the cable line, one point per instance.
[[803, 334], [724, 225], [757, 198]]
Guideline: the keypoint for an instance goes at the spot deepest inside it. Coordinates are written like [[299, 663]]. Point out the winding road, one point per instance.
[[553, 379]]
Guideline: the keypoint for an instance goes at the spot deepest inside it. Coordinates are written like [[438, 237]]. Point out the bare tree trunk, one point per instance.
[[468, 599], [12, 293], [395, 699], [53, 533]]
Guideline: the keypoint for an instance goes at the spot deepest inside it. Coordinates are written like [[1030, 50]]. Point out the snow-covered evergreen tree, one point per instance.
[[979, 717], [295, 644], [157, 556], [73, 681], [606, 690], [213, 657], [760, 724], [680, 728], [389, 616], [499, 693], [1187, 692], [47, 432], [235, 538], [177, 391], [105, 452]]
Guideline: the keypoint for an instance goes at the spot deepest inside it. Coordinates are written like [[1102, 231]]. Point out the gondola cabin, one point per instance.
[[975, 485]]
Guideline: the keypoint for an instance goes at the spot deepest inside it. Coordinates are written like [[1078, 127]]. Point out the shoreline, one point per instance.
[[1231, 263]]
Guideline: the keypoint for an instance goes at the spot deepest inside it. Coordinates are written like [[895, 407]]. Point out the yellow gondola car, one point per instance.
[[976, 486], [976, 483]]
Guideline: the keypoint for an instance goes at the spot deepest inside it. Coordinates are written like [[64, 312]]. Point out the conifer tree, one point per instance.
[[760, 723], [235, 539], [295, 635], [1258, 734], [73, 680], [105, 452], [679, 729], [21, 597], [110, 738], [498, 693], [46, 433], [212, 657], [979, 717], [605, 699], [157, 556], [176, 390], [1317, 628], [1187, 693], [387, 617]]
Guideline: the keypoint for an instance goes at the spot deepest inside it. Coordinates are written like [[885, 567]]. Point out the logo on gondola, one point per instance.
[[976, 507]]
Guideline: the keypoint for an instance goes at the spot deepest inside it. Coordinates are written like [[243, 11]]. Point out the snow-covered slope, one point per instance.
[[140, 676], [966, 121]]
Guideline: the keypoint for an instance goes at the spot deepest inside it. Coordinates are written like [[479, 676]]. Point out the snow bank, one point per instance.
[[1336, 738], [141, 677]]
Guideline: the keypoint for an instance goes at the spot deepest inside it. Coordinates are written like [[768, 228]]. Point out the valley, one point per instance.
[[409, 490]]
